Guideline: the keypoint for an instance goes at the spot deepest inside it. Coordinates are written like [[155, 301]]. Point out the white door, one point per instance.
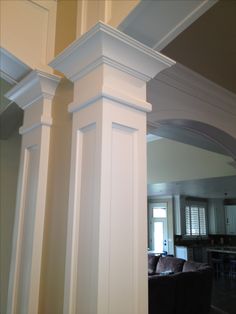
[[158, 235]]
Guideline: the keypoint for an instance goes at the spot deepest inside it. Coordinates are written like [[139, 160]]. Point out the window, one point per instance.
[[159, 212], [195, 219]]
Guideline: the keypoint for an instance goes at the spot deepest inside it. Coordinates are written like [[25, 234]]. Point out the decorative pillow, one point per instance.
[[171, 264], [192, 266], [152, 263]]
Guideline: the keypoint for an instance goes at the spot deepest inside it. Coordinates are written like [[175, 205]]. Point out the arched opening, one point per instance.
[[198, 149]]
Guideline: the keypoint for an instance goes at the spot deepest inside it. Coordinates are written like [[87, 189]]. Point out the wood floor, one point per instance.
[[224, 296]]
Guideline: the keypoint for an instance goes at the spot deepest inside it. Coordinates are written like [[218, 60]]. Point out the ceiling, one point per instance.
[[204, 40], [198, 34], [208, 45], [222, 187]]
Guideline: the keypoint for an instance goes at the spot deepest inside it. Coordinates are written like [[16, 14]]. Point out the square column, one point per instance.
[[106, 262], [34, 95]]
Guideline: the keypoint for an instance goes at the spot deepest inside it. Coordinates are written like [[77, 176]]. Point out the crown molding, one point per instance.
[[35, 86], [11, 68], [193, 84], [104, 44]]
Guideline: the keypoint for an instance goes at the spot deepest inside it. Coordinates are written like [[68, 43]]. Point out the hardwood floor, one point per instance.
[[224, 295]]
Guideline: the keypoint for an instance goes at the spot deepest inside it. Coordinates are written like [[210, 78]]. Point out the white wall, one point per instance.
[[9, 163], [168, 161]]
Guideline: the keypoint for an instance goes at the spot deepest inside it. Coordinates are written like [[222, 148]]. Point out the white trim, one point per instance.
[[111, 99], [103, 41], [192, 83], [83, 17], [43, 122], [108, 94], [169, 17], [105, 60], [34, 86], [36, 89], [138, 10], [184, 23], [7, 78], [11, 68]]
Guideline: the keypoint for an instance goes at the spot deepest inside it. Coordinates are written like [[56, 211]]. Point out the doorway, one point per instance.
[[158, 227]]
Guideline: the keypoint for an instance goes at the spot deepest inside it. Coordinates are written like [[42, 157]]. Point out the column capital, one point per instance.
[[35, 86], [104, 44]]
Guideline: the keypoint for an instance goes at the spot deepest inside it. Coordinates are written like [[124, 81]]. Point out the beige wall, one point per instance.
[[112, 12], [172, 161], [54, 251], [9, 163], [66, 24], [27, 30]]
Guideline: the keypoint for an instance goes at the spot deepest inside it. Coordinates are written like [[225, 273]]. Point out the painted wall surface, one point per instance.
[[112, 12], [66, 24], [173, 161], [9, 164], [54, 250], [28, 30]]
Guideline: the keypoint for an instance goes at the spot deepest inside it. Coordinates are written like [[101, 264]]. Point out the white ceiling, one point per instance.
[[178, 28], [166, 20], [206, 188]]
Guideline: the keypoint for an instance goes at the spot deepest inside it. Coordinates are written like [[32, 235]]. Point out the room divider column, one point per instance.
[[106, 262], [34, 95]]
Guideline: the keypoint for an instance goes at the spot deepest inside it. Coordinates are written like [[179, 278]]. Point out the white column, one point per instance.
[[34, 95], [106, 262]]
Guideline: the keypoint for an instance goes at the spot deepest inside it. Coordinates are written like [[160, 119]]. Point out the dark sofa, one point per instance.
[[177, 286]]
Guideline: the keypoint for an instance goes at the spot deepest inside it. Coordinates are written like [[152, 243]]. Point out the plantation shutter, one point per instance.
[[195, 220]]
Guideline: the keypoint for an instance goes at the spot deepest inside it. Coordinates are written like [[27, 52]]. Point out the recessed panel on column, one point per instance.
[[88, 221], [27, 229], [122, 222]]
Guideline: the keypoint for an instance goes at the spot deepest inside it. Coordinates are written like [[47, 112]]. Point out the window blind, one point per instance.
[[195, 220]]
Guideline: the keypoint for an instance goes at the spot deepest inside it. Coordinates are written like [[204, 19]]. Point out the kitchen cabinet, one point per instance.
[[216, 216], [230, 219]]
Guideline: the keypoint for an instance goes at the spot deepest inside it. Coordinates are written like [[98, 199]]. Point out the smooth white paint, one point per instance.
[[106, 269], [170, 161], [196, 104], [33, 94], [100, 46], [157, 23], [12, 69]]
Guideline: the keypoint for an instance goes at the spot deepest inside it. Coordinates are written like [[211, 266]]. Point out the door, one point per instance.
[[158, 235]]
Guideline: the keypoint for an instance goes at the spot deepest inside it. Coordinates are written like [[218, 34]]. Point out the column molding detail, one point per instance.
[[106, 262], [34, 94]]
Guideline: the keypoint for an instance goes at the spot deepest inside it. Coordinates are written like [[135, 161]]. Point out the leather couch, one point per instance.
[[177, 286]]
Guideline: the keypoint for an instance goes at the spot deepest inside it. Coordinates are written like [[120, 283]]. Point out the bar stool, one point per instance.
[[232, 268], [218, 266]]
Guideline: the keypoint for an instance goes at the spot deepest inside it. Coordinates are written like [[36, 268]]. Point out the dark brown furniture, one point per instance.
[[185, 290]]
